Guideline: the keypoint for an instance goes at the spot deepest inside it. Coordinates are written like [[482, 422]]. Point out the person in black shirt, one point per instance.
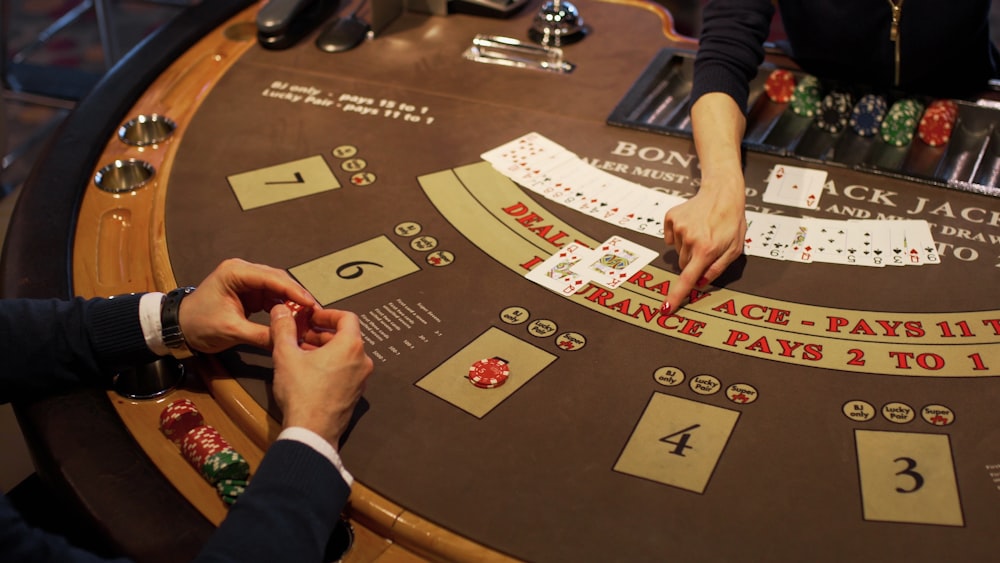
[[934, 47]]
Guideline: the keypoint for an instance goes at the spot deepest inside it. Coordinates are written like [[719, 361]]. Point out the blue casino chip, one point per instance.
[[867, 115]]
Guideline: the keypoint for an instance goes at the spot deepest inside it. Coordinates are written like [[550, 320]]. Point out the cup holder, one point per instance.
[[124, 175], [149, 381], [146, 130]]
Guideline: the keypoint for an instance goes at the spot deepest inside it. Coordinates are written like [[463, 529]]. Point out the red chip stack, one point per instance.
[[780, 86], [202, 443], [489, 373], [205, 449], [179, 418], [937, 122]]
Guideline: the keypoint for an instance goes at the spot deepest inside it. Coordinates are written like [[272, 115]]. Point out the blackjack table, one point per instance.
[[790, 411]]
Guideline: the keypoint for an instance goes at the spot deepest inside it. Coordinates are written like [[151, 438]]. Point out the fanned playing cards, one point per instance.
[[561, 176]]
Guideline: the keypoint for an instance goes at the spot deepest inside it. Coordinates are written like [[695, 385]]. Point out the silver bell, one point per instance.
[[557, 23]]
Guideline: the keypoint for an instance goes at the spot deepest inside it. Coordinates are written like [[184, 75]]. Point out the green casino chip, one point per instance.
[[230, 489], [901, 122], [805, 97], [227, 464]]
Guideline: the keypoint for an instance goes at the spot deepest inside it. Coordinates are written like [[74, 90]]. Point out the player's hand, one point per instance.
[[214, 317], [317, 383], [707, 232]]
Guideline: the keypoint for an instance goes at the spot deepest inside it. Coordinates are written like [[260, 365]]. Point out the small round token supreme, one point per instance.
[[489, 373]]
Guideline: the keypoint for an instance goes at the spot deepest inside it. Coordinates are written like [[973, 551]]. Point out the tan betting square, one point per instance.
[[282, 182], [908, 477], [354, 269], [450, 381], [677, 442]]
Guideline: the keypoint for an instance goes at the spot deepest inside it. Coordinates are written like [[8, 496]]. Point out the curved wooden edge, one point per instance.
[[120, 247], [368, 508], [666, 18], [142, 418]]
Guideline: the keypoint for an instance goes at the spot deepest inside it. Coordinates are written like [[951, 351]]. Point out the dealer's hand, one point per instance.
[[708, 232]]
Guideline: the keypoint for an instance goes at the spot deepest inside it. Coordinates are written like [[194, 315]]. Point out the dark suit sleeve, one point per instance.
[[21, 542], [731, 47], [50, 346], [287, 513]]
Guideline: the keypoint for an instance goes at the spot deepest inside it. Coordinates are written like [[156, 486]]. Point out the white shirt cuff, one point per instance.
[[149, 318], [318, 443]]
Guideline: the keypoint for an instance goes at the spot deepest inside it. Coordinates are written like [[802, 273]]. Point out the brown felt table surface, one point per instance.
[[552, 470]]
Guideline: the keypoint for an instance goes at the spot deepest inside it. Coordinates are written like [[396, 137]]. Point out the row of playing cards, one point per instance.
[[574, 265], [547, 168], [551, 170], [857, 242]]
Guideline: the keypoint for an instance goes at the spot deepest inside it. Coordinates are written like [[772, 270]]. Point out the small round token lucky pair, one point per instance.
[[489, 373]]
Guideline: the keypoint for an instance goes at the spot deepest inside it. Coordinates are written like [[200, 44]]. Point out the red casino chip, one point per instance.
[[202, 443], [937, 122], [780, 86], [179, 418], [302, 316], [489, 373]]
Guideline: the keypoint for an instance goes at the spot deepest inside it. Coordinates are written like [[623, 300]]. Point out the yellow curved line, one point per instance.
[[665, 16]]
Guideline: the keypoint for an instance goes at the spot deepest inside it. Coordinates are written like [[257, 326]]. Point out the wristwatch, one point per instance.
[[170, 311]]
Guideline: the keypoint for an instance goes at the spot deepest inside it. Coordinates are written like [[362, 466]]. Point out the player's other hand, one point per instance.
[[318, 379], [707, 232], [214, 317]]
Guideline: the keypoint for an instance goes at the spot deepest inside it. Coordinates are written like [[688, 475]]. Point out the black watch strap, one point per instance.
[[173, 338]]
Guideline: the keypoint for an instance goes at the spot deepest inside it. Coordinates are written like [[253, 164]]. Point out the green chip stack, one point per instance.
[[227, 464], [230, 489], [805, 98], [901, 122]]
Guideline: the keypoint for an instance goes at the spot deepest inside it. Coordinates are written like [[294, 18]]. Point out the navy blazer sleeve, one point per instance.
[[51, 346], [286, 514], [21, 542]]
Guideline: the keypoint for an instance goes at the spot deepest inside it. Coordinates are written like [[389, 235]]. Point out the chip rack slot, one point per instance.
[[988, 171], [658, 103]]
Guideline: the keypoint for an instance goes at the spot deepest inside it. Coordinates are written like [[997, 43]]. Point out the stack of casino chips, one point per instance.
[[489, 373], [835, 112], [867, 115], [900, 122], [780, 86], [937, 123], [805, 97], [205, 449]]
